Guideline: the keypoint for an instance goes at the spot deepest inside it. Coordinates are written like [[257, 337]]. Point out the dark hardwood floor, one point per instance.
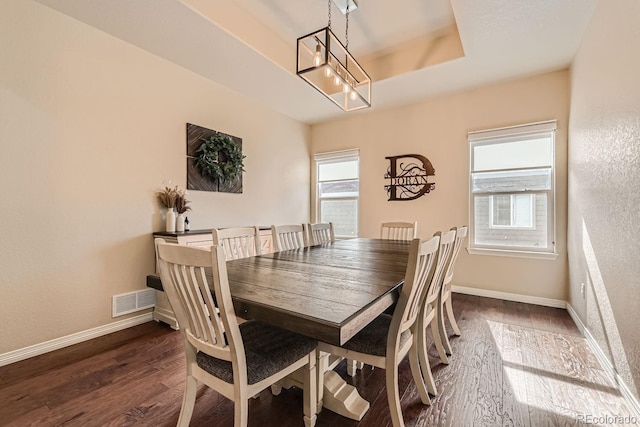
[[514, 365]]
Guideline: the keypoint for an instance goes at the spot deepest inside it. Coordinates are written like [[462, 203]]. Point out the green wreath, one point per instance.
[[219, 158]]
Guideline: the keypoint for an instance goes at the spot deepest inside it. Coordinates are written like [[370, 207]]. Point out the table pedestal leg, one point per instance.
[[335, 394], [343, 398]]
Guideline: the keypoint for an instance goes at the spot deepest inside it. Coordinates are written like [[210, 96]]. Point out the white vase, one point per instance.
[[171, 220], [180, 222]]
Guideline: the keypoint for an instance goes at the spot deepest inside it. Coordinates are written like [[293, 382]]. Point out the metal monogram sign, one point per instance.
[[409, 179]]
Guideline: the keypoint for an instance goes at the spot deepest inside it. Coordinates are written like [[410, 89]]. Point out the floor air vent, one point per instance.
[[133, 301]]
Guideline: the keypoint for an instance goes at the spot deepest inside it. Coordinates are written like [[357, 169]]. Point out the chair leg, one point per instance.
[[417, 376], [451, 317], [352, 367], [188, 401], [393, 393], [437, 338], [241, 411], [276, 388], [310, 391], [441, 327], [421, 345], [321, 368]]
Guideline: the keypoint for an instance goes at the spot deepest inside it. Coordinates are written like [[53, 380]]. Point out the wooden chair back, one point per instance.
[[321, 232], [286, 237], [461, 235], [209, 325], [447, 240], [239, 242], [420, 270], [399, 230]]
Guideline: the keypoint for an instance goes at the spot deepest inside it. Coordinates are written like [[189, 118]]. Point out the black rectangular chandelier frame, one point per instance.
[[326, 64]]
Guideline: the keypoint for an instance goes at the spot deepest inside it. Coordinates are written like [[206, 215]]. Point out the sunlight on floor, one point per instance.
[[558, 382]]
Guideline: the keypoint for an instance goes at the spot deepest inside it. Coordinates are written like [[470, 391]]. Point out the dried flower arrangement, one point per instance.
[[181, 203], [167, 197], [174, 197]]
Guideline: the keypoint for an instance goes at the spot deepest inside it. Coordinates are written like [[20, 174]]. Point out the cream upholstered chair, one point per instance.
[[399, 230], [387, 340], [445, 298], [239, 242], [238, 361], [430, 307], [287, 237], [321, 232]]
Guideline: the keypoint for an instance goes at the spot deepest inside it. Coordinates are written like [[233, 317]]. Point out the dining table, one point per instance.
[[328, 292]]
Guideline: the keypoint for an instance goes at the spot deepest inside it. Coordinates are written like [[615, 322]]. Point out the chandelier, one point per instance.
[[326, 64]]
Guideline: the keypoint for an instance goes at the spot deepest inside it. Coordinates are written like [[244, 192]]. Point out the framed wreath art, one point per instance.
[[214, 160]]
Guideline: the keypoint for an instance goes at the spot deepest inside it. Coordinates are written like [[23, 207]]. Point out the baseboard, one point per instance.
[[632, 402], [78, 337], [548, 302]]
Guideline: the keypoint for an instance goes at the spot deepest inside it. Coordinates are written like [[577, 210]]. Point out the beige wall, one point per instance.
[[604, 171], [437, 128], [90, 126]]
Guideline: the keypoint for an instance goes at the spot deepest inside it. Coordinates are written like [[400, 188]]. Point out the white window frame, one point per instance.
[[336, 157], [500, 135], [532, 206]]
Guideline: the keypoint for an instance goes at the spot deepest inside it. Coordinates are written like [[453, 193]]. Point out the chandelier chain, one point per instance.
[[329, 25], [346, 31]]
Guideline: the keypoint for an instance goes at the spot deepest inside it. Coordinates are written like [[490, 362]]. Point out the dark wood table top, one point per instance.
[[329, 292]]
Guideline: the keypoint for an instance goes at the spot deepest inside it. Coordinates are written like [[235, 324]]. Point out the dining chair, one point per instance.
[[399, 230], [445, 294], [287, 237], [321, 232], [238, 242], [430, 307], [387, 340], [389, 231], [238, 361]]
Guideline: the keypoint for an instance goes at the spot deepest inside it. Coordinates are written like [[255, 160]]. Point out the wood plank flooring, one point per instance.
[[514, 365]]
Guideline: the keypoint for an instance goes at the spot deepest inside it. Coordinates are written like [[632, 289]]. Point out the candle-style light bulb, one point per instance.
[[336, 78], [354, 93], [317, 58], [346, 86], [327, 68]]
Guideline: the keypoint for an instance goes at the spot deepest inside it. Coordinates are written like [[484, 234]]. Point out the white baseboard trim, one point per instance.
[[78, 337], [633, 403], [548, 302]]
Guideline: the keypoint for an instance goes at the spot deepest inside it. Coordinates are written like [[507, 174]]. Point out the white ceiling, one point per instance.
[[249, 45]]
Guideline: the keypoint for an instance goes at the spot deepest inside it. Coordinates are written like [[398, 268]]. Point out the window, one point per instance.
[[512, 190], [337, 177], [512, 211]]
